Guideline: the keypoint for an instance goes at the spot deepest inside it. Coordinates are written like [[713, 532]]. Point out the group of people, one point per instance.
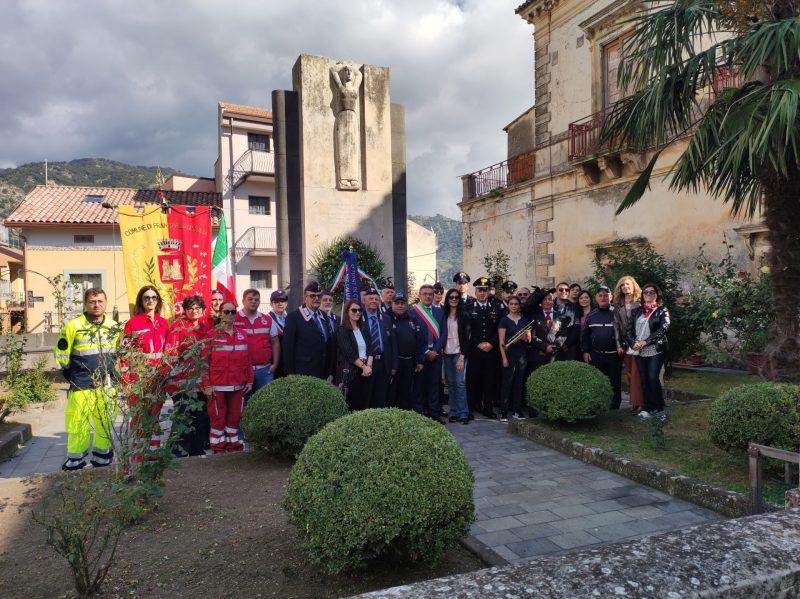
[[380, 352]]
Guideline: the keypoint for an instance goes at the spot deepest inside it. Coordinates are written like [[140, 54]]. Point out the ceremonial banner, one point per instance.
[[186, 254], [171, 252], [352, 286], [221, 261]]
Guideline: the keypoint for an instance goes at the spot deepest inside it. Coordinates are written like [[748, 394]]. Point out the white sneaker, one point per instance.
[[644, 415]]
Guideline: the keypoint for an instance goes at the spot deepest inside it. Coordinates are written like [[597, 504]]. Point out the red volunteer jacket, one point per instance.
[[180, 338], [147, 337], [230, 366], [259, 334]]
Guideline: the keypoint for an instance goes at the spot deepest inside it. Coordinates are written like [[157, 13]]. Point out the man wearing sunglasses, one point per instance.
[[307, 340]]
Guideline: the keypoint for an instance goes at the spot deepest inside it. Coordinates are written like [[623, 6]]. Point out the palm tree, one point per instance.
[[745, 143]]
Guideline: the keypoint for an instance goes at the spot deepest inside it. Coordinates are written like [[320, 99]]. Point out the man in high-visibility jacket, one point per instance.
[[86, 352]]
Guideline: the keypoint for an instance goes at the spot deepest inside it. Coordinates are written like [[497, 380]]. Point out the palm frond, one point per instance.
[[775, 44], [665, 36], [640, 186]]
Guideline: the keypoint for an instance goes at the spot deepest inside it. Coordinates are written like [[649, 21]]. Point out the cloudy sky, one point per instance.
[[139, 81]]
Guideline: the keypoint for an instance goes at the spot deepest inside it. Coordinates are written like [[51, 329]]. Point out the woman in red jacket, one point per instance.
[[145, 335], [180, 364], [229, 377]]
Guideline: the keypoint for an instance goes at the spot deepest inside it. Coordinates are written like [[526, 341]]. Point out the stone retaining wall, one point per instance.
[[749, 558]]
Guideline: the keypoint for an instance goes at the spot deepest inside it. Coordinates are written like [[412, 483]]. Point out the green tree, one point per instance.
[[745, 143], [497, 264], [328, 258]]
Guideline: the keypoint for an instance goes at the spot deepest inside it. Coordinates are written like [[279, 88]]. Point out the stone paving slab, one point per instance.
[[533, 501]]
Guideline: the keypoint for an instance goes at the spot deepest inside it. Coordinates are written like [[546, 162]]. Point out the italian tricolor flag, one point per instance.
[[221, 260]]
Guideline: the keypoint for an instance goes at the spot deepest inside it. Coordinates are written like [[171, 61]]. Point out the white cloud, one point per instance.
[[139, 81]]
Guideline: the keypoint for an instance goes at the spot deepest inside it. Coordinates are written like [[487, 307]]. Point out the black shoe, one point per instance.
[[436, 419], [452, 419], [101, 459], [72, 464], [442, 413], [464, 421], [502, 417], [470, 416]]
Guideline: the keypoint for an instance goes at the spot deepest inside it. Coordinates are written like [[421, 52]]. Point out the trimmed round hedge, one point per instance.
[[284, 414], [763, 413], [376, 482], [568, 391]]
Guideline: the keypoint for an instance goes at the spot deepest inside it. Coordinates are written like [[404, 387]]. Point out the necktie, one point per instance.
[[549, 317], [376, 334], [320, 325]]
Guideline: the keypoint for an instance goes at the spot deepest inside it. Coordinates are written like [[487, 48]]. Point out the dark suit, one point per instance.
[[357, 387], [426, 394], [306, 350], [483, 367], [384, 361]]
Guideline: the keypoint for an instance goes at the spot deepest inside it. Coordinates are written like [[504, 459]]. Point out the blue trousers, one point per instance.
[[426, 392], [456, 387]]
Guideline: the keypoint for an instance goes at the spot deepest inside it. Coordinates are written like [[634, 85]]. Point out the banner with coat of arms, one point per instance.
[[168, 249]]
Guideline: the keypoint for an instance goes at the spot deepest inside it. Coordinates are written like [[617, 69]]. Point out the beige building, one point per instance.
[[551, 204], [70, 242]]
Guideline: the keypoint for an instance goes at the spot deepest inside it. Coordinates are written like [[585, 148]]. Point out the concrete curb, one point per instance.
[[484, 552], [727, 503], [11, 441]]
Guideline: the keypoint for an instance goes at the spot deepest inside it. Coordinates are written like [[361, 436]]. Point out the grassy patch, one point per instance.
[[688, 450], [707, 383]]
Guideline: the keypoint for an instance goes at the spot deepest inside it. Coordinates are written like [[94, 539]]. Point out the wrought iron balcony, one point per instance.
[[584, 135], [257, 241], [253, 162], [502, 175]]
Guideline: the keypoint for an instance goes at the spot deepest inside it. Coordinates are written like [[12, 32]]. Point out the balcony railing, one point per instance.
[[502, 175], [253, 162], [584, 134], [257, 241]]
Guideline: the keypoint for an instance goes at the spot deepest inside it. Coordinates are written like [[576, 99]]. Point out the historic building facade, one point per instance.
[[551, 204]]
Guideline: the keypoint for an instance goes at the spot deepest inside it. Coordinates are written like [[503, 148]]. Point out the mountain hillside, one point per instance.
[[449, 257], [89, 172]]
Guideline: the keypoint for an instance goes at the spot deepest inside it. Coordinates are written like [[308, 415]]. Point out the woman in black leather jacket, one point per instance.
[[647, 339]]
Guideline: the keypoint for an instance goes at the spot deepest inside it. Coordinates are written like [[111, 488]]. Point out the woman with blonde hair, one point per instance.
[[628, 297]]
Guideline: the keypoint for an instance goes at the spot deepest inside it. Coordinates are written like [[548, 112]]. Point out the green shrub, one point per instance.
[[283, 415], [380, 482], [568, 391], [763, 413], [26, 387]]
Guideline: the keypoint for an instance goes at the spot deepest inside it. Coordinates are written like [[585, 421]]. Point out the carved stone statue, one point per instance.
[[347, 131]]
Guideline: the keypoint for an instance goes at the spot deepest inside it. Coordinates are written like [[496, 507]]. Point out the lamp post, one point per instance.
[[109, 206]]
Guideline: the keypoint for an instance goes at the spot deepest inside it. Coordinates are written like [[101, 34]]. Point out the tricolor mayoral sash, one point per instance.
[[428, 318]]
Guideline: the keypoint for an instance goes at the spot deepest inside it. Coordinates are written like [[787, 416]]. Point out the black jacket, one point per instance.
[[305, 348], [482, 323], [348, 352], [600, 332], [409, 337], [659, 322]]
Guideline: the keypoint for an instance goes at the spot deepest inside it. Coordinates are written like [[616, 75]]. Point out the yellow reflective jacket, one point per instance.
[[86, 351]]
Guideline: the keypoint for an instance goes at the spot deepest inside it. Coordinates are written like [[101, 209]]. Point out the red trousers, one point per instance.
[[225, 412]]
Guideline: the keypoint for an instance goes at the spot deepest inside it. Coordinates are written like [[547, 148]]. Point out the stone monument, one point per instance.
[[340, 165]]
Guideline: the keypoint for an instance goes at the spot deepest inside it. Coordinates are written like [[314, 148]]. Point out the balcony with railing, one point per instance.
[[495, 178], [253, 163], [584, 134], [257, 241]]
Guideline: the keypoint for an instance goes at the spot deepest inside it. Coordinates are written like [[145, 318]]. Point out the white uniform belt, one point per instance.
[[227, 387]]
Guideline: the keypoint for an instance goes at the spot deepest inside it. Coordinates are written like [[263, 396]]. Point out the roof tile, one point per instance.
[[61, 204]]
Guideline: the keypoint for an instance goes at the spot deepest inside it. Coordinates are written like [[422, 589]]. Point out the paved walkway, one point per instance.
[[533, 501], [46, 450]]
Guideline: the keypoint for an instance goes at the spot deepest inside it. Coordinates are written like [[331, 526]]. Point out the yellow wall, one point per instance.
[[55, 261]]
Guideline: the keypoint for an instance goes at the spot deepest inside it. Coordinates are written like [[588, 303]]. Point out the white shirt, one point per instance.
[[362, 345]]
